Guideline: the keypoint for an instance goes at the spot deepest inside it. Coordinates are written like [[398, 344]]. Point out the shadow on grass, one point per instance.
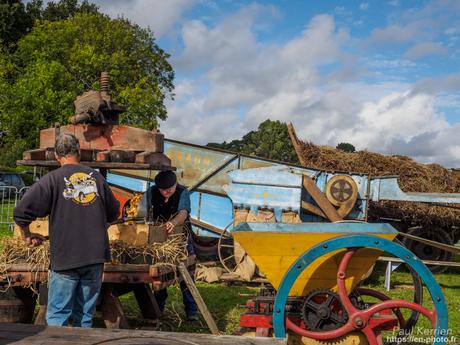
[[222, 301]]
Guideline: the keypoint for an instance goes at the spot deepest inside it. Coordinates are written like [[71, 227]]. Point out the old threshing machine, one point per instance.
[[315, 268], [104, 145], [306, 230]]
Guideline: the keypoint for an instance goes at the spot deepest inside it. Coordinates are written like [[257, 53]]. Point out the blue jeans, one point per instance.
[[73, 292]]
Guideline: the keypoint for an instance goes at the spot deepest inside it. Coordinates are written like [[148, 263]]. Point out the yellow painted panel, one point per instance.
[[282, 243], [275, 252]]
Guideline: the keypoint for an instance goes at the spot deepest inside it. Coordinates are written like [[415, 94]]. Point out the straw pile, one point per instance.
[[14, 251], [413, 177], [171, 252]]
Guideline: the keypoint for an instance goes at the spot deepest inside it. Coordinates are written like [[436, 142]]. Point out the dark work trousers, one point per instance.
[[189, 303]]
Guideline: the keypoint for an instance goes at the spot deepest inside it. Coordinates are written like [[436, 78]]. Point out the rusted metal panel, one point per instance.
[[106, 137], [193, 163]]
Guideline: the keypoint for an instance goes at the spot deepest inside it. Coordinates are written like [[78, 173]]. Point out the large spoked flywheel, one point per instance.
[[328, 315]]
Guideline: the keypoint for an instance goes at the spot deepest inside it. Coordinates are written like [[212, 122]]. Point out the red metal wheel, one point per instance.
[[362, 320]]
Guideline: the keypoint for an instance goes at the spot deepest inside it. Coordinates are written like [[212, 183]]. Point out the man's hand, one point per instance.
[[33, 239], [169, 226]]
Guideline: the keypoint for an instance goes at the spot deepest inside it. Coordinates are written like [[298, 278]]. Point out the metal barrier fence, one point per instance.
[[9, 197]]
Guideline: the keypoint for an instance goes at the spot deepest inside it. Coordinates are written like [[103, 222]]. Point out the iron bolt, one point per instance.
[[359, 322]]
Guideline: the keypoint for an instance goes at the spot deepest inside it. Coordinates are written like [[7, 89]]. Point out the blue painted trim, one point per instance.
[[127, 182], [360, 241], [342, 227]]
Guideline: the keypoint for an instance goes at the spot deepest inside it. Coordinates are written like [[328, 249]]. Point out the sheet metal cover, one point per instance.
[[338, 227]]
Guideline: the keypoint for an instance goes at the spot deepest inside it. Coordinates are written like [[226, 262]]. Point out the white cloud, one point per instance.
[[394, 34], [394, 117], [447, 83], [159, 15], [427, 48], [241, 72], [242, 82], [364, 6]]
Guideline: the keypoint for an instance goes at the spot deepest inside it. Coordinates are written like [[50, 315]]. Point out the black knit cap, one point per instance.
[[165, 179]]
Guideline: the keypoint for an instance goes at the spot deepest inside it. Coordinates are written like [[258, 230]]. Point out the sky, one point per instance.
[[381, 75]]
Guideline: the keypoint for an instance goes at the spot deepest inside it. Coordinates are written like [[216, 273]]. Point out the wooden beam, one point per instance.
[[320, 199], [312, 209], [95, 164], [40, 319], [112, 311], [209, 227], [198, 299], [296, 143], [122, 156], [146, 300], [14, 333], [37, 154], [86, 155], [148, 157], [103, 156]]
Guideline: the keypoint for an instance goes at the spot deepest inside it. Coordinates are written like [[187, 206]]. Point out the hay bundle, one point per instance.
[[14, 251], [413, 177], [171, 252]]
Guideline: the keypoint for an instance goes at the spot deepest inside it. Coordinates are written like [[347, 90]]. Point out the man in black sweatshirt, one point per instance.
[[79, 205]]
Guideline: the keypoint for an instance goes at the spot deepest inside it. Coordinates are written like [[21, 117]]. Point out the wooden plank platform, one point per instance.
[[11, 333]]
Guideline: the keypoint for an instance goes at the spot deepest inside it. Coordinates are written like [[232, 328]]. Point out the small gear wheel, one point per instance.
[[323, 311]]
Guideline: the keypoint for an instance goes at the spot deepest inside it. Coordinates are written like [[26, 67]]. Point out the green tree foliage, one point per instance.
[[14, 22], [271, 140], [59, 60], [17, 19], [61, 10], [346, 147]]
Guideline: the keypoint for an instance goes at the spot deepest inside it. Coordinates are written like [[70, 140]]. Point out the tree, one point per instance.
[[271, 140], [59, 60], [14, 22], [64, 9], [345, 147], [17, 19]]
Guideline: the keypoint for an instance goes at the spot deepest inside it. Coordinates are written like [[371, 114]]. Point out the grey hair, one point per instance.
[[66, 144]]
